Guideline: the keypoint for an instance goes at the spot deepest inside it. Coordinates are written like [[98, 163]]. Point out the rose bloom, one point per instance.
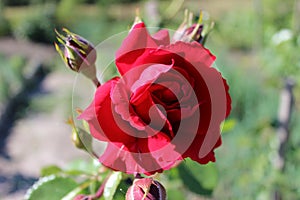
[[167, 105]]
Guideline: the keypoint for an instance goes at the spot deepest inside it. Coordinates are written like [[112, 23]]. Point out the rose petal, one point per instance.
[[162, 37], [134, 105], [137, 43], [150, 74], [193, 151], [154, 155], [193, 52], [102, 119]]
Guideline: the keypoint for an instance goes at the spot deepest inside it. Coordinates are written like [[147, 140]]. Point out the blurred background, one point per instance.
[[257, 44]]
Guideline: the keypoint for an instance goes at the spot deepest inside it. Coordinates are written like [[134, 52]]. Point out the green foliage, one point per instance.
[[243, 161], [4, 24], [27, 2], [278, 13], [281, 58], [122, 189], [11, 76], [111, 185], [106, 3], [38, 27], [175, 194], [65, 182], [16, 2], [65, 11], [236, 30], [189, 180], [80, 177], [81, 166], [200, 179], [51, 188], [33, 2], [50, 170]]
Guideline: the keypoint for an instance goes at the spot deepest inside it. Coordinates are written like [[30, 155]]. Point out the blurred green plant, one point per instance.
[[85, 177], [236, 30], [33, 2], [16, 2], [106, 3], [39, 26], [4, 24], [278, 13], [64, 11], [245, 169], [11, 76]]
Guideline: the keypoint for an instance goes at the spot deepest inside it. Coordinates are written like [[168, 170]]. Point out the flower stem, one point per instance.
[[96, 82]]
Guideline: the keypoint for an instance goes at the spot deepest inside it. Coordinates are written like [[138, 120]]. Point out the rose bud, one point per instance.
[[195, 31], [75, 135], [80, 138], [146, 188], [137, 20], [79, 54], [180, 32], [189, 31]]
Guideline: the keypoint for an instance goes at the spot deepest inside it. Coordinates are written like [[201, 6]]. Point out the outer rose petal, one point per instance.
[[193, 151], [137, 43], [193, 53], [105, 128], [148, 155]]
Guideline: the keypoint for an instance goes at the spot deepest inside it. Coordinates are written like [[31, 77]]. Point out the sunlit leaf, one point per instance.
[[77, 190], [111, 185], [81, 166], [51, 188], [122, 189], [50, 170]]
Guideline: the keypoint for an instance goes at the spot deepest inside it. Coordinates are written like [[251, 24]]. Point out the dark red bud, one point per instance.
[[147, 189]]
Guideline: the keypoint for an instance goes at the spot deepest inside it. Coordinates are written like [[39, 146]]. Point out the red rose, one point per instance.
[[166, 106]]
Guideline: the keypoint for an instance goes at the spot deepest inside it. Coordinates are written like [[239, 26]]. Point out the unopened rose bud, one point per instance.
[[137, 19], [75, 135], [189, 31], [80, 138], [194, 32], [187, 21], [146, 188], [78, 54]]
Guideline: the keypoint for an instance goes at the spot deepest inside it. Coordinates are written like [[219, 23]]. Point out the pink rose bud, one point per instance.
[[78, 54], [146, 188]]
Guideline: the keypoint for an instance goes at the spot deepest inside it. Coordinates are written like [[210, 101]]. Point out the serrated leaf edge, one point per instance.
[[37, 184]]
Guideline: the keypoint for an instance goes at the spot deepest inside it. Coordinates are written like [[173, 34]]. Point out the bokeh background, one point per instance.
[[257, 44]]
